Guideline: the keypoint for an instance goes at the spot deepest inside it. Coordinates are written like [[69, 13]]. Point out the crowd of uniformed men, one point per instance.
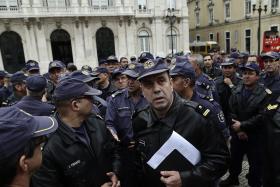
[[99, 127]]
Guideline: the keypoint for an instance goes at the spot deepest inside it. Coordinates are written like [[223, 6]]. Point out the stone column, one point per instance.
[[25, 6], [159, 36], [122, 37], [185, 33], [78, 46]]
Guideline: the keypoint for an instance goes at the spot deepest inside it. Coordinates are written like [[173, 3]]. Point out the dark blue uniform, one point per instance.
[[35, 106], [216, 114], [271, 82], [119, 114], [209, 86]]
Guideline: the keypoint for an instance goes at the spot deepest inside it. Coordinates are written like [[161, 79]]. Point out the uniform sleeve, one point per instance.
[[47, 175], [110, 116], [214, 161], [219, 119]]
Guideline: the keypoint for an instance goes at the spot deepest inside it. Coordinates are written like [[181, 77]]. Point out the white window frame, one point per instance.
[[142, 4], [144, 40], [57, 3], [171, 4], [245, 8], [273, 2], [226, 41], [225, 10], [210, 37], [9, 3], [250, 37]]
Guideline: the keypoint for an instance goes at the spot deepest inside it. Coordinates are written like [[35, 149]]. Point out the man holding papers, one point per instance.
[[177, 144]]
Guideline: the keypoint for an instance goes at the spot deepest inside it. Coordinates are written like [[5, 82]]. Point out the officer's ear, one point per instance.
[[75, 105], [23, 164]]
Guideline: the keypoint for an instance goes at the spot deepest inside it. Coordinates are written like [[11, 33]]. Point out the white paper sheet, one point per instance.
[[179, 143]]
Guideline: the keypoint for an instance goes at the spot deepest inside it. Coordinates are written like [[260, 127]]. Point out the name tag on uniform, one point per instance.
[[175, 142]]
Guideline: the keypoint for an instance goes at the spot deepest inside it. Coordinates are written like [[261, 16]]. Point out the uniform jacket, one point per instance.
[[35, 106], [249, 112], [213, 72], [69, 162], [271, 82], [185, 118]]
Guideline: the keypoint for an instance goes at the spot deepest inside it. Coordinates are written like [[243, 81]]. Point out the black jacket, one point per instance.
[[151, 133], [69, 162], [249, 111], [224, 92], [272, 144]]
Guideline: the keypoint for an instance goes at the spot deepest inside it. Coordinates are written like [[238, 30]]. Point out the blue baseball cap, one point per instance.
[[81, 75], [133, 69], [69, 88], [182, 59], [99, 70], [144, 56], [36, 83], [228, 61], [112, 59], [86, 68], [234, 55], [270, 54], [32, 65], [3, 74], [251, 66], [152, 67], [183, 68], [17, 128], [102, 61], [18, 77], [117, 72], [244, 54], [56, 64]]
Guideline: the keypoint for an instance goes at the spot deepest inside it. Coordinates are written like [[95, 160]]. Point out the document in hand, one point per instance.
[[178, 143]]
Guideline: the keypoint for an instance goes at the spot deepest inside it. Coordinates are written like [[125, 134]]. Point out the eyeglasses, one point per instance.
[[207, 59]]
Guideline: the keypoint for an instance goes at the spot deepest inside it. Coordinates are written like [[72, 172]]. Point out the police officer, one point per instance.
[[225, 84], [112, 63], [201, 78], [144, 56], [123, 62], [104, 84], [166, 113], [19, 88], [32, 67], [272, 143], [271, 77], [121, 107], [119, 79], [5, 86], [209, 69], [21, 136], [87, 68], [183, 79], [32, 102], [82, 151], [56, 70], [246, 104], [71, 67]]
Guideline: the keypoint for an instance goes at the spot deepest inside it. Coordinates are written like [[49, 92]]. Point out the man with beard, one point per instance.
[[167, 113], [121, 107], [209, 68], [225, 84], [82, 152]]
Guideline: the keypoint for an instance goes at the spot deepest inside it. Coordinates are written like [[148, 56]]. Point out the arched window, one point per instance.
[[144, 42], [12, 51], [172, 40], [171, 4], [105, 43]]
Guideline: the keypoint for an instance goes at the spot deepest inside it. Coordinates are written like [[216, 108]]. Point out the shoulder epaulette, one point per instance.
[[117, 93], [268, 91], [199, 108], [98, 116]]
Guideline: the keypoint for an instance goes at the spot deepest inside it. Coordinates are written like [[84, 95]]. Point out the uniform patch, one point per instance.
[[221, 117], [268, 91], [272, 107]]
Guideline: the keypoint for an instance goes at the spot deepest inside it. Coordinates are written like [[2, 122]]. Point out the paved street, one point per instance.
[[243, 181]]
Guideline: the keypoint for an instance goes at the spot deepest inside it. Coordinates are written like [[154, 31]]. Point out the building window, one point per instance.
[[227, 10], [197, 18], [101, 3], [248, 40], [274, 3], [9, 4], [172, 41], [227, 42], [171, 4], [211, 15], [248, 7], [142, 4], [56, 3], [274, 28], [211, 37], [198, 38], [143, 37]]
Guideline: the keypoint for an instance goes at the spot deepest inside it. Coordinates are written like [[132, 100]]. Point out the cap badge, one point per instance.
[[149, 64]]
